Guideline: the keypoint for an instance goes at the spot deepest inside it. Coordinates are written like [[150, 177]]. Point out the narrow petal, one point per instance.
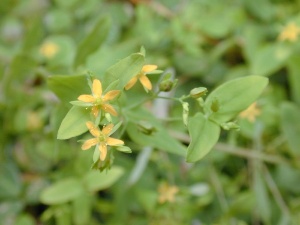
[[107, 129], [103, 151], [131, 83], [149, 68], [95, 111], [97, 88], [86, 98], [108, 108], [113, 141], [146, 82], [110, 95], [93, 129], [89, 143]]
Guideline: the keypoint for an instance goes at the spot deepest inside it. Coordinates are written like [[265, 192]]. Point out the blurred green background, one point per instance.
[[251, 177]]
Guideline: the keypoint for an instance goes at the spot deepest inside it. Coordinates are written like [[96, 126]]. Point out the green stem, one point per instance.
[[218, 188], [276, 193]]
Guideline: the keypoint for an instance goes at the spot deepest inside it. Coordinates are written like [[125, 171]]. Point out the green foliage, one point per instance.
[[204, 135], [212, 140], [233, 97]]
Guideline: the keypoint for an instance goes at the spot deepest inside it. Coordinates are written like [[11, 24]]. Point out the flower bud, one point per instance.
[[167, 83], [198, 92], [230, 126], [124, 149]]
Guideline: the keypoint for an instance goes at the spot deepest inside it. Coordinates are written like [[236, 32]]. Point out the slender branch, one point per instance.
[[238, 151], [276, 193], [218, 188]]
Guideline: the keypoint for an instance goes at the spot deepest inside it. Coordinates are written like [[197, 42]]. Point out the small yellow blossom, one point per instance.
[[49, 49], [34, 121], [141, 76], [99, 102], [250, 113], [167, 193], [102, 139], [290, 33]]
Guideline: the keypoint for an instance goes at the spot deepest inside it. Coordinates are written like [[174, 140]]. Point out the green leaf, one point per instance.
[[74, 123], [96, 181], [290, 117], [68, 88], [62, 192], [80, 103], [294, 78], [233, 97], [25, 219], [10, 182], [204, 135], [93, 41], [159, 138], [81, 209], [261, 193], [269, 59], [123, 71]]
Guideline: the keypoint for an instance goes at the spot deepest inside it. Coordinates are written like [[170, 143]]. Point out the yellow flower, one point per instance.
[[99, 102], [167, 193], [141, 76], [250, 113], [290, 33], [49, 49], [102, 139]]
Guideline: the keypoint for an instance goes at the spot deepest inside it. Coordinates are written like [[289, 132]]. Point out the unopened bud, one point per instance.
[[124, 149], [230, 126], [198, 92], [167, 83]]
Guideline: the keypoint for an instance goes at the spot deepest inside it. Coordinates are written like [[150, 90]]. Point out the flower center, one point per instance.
[[102, 138], [140, 74], [98, 101]]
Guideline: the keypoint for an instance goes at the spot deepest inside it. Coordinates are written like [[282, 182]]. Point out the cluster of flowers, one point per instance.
[[98, 101]]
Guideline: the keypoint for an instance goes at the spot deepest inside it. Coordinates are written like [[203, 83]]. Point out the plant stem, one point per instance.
[[276, 193], [238, 151]]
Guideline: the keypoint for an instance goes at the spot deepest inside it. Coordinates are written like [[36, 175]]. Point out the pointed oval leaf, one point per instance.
[[74, 123], [123, 71], [159, 138], [290, 117], [234, 96], [270, 58], [92, 41], [68, 88], [96, 181], [204, 135], [62, 191]]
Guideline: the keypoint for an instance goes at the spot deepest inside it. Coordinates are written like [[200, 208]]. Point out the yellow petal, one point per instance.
[[146, 82], [89, 143], [107, 129], [95, 111], [108, 108], [103, 151], [86, 98], [149, 68], [97, 88], [113, 141], [93, 129], [110, 95], [131, 83]]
